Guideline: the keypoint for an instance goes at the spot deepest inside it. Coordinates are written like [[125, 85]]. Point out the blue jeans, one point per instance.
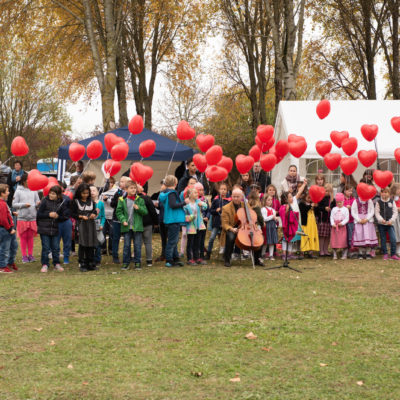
[[8, 247], [392, 237], [214, 233], [115, 240], [50, 244], [65, 233], [97, 254], [171, 250], [136, 237]]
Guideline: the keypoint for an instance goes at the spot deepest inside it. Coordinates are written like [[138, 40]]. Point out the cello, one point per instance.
[[249, 236]]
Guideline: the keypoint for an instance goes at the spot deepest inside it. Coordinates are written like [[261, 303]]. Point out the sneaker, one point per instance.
[[66, 261], [344, 257], [227, 264], [5, 270], [335, 257], [115, 261], [191, 262], [58, 268], [369, 257], [259, 262], [207, 255], [385, 257], [45, 268], [178, 263], [272, 258], [12, 266], [168, 265], [174, 264], [83, 269], [200, 261], [138, 266], [235, 256], [31, 259], [149, 263], [300, 257], [373, 254], [360, 256], [395, 258], [125, 267], [25, 259], [221, 250]]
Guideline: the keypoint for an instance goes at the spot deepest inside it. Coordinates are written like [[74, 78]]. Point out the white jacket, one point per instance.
[[265, 214], [370, 213], [345, 214]]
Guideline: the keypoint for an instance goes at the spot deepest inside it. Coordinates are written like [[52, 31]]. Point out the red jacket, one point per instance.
[[6, 220]]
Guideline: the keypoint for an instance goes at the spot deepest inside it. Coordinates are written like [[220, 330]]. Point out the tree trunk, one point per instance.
[[121, 90], [394, 9], [369, 53]]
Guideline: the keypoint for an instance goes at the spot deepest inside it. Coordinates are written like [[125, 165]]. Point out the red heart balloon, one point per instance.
[[323, 109], [204, 142], [94, 149], [349, 165], [282, 148], [317, 193], [338, 137], [110, 140], [214, 155], [397, 155], [120, 151], [268, 162], [323, 147], [395, 121], [136, 125], [141, 173], [184, 131], [226, 163], [200, 162], [37, 181], [76, 151], [147, 148], [112, 167], [298, 148], [244, 163], [369, 132], [295, 138], [216, 174], [255, 152], [349, 146], [265, 132], [332, 160], [19, 147], [383, 178], [366, 192], [272, 150], [367, 157], [264, 146]]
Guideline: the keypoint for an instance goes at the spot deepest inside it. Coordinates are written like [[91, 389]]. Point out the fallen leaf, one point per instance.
[[360, 383], [197, 374], [85, 383], [322, 365], [70, 366], [251, 336], [266, 348], [38, 329], [236, 378], [52, 343], [334, 344], [314, 292]]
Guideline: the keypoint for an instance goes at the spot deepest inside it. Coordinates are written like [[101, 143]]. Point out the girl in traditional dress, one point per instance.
[[364, 236], [322, 212], [290, 222], [310, 242], [271, 191], [348, 202], [270, 231], [339, 218], [395, 192]]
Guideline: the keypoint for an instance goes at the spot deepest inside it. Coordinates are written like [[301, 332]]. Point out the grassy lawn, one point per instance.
[[331, 332]]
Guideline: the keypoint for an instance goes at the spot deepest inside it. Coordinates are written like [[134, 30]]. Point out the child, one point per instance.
[[84, 212], [339, 218], [348, 202], [174, 216], [245, 182], [254, 203], [25, 202], [163, 229], [8, 249], [130, 212], [194, 226], [364, 235], [271, 231], [290, 222], [50, 210], [215, 210], [271, 191], [386, 215], [100, 221], [395, 192], [310, 242], [191, 183], [205, 212], [323, 223]]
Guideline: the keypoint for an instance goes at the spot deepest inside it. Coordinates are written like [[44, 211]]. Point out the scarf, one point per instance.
[[14, 175], [133, 198], [292, 182]]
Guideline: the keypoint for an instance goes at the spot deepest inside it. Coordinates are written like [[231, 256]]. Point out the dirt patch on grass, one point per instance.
[[140, 300]]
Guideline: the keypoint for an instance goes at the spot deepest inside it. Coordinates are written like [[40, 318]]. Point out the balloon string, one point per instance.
[[170, 161], [5, 162], [84, 169], [377, 154]]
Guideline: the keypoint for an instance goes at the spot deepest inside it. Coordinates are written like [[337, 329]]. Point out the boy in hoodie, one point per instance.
[[174, 217], [8, 249]]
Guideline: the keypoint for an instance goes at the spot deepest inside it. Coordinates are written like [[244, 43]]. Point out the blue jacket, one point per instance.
[[173, 207]]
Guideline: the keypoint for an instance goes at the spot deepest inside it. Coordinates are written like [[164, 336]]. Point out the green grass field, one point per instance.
[[331, 332]]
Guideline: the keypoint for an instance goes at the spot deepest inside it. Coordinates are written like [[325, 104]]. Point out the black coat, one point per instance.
[[183, 182], [46, 225], [321, 215], [261, 179], [151, 218]]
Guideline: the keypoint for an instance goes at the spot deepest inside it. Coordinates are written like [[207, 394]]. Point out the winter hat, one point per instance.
[[339, 197]]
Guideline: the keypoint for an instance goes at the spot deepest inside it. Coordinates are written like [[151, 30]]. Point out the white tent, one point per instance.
[[300, 118]]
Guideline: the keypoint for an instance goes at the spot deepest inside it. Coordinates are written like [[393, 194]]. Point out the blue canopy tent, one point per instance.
[[159, 161]]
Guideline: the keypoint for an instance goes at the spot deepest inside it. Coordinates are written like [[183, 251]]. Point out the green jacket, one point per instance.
[[123, 216]]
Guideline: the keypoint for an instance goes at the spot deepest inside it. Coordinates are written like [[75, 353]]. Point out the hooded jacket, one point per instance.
[[173, 207], [22, 197]]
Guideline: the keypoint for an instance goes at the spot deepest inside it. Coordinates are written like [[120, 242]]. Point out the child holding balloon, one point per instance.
[[339, 219]]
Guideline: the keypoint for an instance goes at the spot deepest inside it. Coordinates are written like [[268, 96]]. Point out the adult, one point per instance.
[[260, 177], [191, 172], [228, 224], [14, 178], [5, 171], [347, 180], [290, 183], [79, 167]]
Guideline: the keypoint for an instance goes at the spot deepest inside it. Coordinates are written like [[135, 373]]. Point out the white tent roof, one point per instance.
[[300, 118]]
